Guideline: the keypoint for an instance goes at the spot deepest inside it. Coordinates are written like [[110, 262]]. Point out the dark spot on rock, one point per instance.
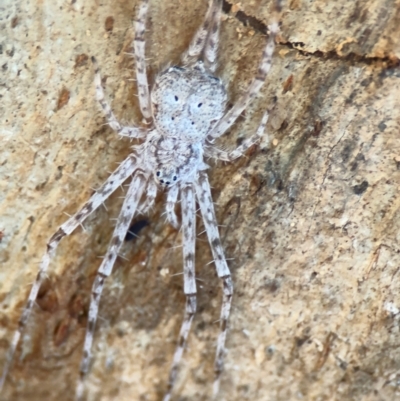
[[359, 189], [382, 126], [359, 158], [81, 59], [14, 22], [272, 285], [301, 341], [63, 98], [109, 24], [346, 152]]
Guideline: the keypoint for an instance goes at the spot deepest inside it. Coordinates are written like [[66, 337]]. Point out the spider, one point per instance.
[[185, 114]]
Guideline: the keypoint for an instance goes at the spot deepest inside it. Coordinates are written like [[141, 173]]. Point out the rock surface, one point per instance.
[[311, 217]]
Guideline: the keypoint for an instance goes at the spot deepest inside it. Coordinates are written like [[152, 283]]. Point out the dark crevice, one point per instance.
[[246, 20], [226, 7], [260, 27], [350, 57]]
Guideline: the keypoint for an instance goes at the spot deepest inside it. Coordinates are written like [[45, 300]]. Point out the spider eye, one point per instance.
[[200, 104], [162, 181], [176, 98], [158, 173], [167, 183], [174, 177]]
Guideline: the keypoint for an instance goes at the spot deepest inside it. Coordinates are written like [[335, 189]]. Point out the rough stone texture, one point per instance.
[[312, 219]]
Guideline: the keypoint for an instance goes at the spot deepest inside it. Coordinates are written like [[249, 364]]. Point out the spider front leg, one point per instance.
[[211, 46], [189, 278], [265, 65], [224, 155], [141, 74], [130, 132], [126, 168], [204, 198], [206, 38], [128, 210]]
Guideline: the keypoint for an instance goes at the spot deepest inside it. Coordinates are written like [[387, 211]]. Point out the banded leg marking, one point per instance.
[[203, 193], [130, 132], [265, 65], [139, 46], [211, 46], [196, 46], [128, 210], [189, 277], [231, 155], [172, 198], [151, 194]]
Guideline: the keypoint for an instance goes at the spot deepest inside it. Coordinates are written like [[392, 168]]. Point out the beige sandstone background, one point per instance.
[[311, 217]]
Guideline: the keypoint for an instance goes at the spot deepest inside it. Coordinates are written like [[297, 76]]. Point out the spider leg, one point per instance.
[[189, 286], [230, 117], [126, 168], [128, 210], [151, 194], [139, 46], [198, 42], [231, 155], [170, 206], [203, 193], [130, 132], [211, 46]]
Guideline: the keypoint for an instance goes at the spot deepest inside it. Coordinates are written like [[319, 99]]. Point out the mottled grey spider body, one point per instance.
[[186, 103], [186, 107]]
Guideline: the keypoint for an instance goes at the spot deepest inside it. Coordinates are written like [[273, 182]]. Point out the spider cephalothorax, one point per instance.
[[187, 102], [186, 106]]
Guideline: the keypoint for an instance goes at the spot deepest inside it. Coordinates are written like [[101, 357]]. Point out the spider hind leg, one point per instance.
[[189, 242], [126, 168], [128, 210], [203, 193]]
